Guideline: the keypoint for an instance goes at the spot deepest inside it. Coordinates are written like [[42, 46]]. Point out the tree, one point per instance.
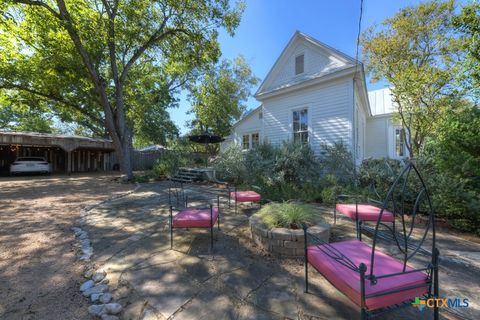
[[218, 98], [415, 52], [88, 58], [24, 118], [468, 23]]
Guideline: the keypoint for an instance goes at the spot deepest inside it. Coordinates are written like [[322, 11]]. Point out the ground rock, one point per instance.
[[109, 317], [87, 285], [113, 308], [99, 288], [97, 310], [106, 297]]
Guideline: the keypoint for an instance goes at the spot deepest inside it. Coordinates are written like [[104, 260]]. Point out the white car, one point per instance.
[[30, 164]]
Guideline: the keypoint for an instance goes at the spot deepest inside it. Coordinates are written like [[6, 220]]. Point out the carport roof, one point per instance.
[[66, 142]]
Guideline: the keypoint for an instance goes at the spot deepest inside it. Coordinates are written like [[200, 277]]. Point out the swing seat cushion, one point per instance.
[[245, 196], [348, 281], [366, 212], [195, 218]]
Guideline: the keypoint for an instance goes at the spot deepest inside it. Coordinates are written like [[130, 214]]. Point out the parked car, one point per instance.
[[30, 164]]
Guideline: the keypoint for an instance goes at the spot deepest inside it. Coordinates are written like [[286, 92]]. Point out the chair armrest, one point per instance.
[[256, 188], [376, 202]]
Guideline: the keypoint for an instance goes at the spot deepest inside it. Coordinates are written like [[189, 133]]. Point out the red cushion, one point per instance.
[[348, 281], [195, 218], [366, 212], [245, 196]]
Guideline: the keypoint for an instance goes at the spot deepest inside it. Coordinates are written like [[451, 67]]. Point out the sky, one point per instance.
[[268, 25]]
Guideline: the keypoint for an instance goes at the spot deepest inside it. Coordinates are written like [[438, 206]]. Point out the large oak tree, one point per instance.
[[101, 63]]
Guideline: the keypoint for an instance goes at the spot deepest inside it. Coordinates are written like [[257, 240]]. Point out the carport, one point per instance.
[[67, 154]]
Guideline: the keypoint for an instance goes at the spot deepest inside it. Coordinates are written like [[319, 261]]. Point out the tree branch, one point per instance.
[[54, 98], [40, 4]]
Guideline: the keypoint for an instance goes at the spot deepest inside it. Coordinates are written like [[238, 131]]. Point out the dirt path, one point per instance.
[[39, 278]]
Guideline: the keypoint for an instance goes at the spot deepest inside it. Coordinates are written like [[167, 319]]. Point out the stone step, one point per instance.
[[179, 179]]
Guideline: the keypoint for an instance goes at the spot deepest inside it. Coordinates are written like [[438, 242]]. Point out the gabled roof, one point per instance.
[[247, 116], [347, 63]]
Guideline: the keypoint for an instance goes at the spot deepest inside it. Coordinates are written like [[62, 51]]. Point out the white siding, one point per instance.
[[316, 61], [252, 124], [329, 114], [377, 137]]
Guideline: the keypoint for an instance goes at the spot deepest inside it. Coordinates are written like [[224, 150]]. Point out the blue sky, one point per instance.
[[267, 25]]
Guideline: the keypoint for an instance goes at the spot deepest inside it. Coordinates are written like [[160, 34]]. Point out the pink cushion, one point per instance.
[[366, 212], [245, 196], [195, 218], [348, 281]]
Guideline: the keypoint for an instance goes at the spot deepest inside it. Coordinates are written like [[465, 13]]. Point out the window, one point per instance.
[[300, 125], [246, 142], [255, 140], [299, 64], [399, 142]]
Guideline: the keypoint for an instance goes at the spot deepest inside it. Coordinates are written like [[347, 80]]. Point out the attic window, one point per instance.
[[299, 63]]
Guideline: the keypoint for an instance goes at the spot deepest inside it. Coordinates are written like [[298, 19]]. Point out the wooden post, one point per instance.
[[69, 162]]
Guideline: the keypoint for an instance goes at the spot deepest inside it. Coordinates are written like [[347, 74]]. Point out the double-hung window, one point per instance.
[[255, 140], [300, 125], [250, 141], [246, 142], [399, 142]]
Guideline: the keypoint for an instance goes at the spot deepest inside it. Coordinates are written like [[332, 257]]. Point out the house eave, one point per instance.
[[307, 83]]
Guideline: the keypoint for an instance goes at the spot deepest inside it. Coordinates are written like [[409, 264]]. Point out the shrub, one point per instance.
[[291, 215], [170, 162], [452, 161], [337, 160], [376, 176], [230, 165]]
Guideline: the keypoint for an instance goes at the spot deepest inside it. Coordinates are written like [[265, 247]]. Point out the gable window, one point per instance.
[[300, 125], [255, 140], [245, 142], [399, 142], [299, 64]]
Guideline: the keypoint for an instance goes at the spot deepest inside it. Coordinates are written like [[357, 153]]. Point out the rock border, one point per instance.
[[283, 241], [96, 288]]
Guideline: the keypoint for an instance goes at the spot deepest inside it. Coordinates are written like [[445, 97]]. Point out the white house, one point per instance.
[[317, 94]]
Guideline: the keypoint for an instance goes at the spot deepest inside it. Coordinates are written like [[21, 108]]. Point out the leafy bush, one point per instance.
[[376, 176], [291, 215], [170, 162], [230, 165], [337, 160], [452, 163], [290, 171]]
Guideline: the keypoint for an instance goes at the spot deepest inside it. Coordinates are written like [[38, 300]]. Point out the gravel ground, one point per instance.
[[39, 278]]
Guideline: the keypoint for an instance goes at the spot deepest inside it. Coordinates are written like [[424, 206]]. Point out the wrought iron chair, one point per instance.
[[176, 193], [363, 211], [195, 217], [243, 196], [373, 280]]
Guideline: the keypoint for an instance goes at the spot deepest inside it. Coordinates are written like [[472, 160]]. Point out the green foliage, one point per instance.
[[337, 160], [416, 52], [230, 165], [291, 215], [178, 155], [24, 118], [467, 23], [218, 98], [108, 65], [452, 163], [287, 172], [376, 176]]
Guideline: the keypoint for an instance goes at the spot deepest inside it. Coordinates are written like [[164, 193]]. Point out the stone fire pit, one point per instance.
[[283, 241]]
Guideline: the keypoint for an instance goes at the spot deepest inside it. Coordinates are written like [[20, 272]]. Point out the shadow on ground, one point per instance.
[[131, 242]]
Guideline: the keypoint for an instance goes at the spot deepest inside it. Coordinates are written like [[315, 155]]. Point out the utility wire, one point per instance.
[[355, 135]]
